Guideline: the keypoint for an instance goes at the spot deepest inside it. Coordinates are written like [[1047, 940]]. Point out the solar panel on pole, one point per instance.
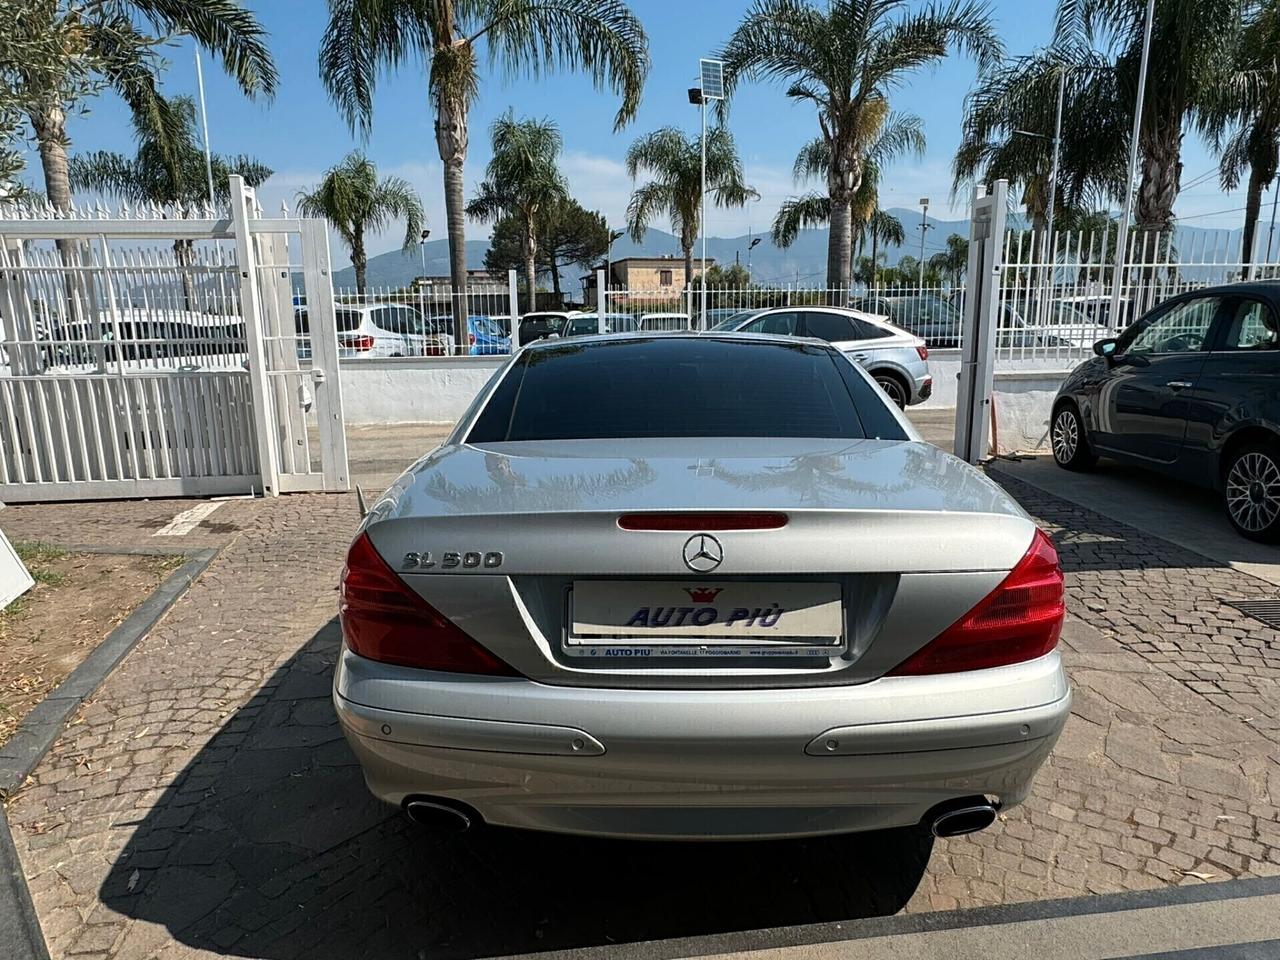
[[712, 72]]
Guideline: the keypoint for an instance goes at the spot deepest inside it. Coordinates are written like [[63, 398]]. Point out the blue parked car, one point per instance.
[[486, 337]]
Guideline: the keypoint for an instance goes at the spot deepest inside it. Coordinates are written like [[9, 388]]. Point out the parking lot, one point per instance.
[[204, 803]]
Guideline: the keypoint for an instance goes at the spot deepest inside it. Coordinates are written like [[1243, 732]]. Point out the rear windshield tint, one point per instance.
[[683, 387]]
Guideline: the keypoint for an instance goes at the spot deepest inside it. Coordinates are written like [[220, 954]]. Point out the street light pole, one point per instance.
[[702, 216], [1057, 147], [924, 228], [1123, 236], [204, 124]]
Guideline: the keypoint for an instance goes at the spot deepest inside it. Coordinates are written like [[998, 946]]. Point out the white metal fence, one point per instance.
[[155, 354]]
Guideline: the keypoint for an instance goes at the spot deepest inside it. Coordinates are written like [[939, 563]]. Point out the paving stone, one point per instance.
[[206, 801]]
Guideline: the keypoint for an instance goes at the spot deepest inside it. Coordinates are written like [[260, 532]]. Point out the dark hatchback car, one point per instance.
[[1192, 390]]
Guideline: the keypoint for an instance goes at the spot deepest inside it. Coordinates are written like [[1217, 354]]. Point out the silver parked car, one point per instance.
[[688, 586], [897, 360]]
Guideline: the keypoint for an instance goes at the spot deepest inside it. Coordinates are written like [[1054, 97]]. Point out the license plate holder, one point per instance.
[[613, 619]]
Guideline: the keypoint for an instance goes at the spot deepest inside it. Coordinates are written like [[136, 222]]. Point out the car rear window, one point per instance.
[[683, 387]]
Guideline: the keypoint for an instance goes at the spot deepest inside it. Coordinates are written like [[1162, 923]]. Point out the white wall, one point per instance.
[[439, 389], [413, 390]]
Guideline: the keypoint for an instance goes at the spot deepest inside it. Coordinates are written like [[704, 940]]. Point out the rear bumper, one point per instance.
[[701, 763]]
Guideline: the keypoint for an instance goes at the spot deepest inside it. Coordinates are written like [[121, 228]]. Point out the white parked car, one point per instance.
[[897, 360], [379, 330], [666, 322]]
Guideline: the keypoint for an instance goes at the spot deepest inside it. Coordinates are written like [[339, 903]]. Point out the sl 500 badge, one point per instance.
[[453, 559]]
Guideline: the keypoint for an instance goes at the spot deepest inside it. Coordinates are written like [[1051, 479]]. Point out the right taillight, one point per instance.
[[382, 619], [1019, 620], [923, 352]]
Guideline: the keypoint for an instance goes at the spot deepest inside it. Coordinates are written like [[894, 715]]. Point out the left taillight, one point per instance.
[[1019, 620], [923, 351], [384, 620]]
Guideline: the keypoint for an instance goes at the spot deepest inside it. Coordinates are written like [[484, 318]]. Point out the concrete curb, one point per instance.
[[19, 924], [41, 727], [872, 928]]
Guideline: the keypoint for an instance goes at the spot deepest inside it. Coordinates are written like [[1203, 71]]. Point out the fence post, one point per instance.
[[512, 293], [317, 279], [602, 301], [251, 309], [978, 333]]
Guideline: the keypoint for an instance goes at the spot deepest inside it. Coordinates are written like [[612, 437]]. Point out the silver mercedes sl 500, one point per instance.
[[680, 586]]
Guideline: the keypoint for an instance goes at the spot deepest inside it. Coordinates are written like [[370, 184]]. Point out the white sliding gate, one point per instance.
[[159, 355]]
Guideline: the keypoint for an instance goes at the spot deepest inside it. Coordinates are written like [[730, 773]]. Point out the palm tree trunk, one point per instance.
[[530, 267], [688, 262], [50, 126], [184, 256], [875, 264], [1252, 207], [1263, 160], [839, 245], [1161, 177], [556, 292], [451, 141], [359, 259]]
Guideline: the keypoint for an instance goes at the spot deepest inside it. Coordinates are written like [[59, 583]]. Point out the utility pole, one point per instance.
[[422, 246], [1122, 238], [751, 246], [1057, 146], [1272, 231], [924, 228], [204, 124], [710, 87]]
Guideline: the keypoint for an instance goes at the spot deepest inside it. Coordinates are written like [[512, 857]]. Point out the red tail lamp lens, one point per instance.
[[384, 620], [1017, 621]]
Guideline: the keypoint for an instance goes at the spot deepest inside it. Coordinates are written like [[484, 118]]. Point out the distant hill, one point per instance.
[[804, 262]]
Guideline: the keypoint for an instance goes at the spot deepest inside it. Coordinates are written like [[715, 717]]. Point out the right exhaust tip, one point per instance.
[[439, 815], [959, 821]]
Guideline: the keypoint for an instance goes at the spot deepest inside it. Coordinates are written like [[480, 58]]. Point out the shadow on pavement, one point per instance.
[[269, 846]]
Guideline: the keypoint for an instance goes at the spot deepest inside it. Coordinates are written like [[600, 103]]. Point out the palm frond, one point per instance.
[[601, 38], [797, 213], [227, 29]]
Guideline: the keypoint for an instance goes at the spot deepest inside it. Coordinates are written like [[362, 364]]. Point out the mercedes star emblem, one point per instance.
[[702, 553]]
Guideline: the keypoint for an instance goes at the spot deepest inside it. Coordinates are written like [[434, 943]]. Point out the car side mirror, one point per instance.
[[1107, 348]]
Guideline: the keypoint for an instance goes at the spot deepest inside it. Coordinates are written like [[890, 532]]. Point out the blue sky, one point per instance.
[[299, 134]]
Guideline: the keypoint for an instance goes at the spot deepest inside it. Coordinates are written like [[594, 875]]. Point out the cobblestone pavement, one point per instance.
[[204, 803]]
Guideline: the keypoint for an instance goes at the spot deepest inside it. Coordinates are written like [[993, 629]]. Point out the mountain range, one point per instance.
[[804, 262]]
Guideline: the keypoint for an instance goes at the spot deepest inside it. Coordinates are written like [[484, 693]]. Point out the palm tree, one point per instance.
[[882, 227], [1249, 121], [166, 170], [894, 134], [674, 163], [844, 58], [366, 37], [1193, 66], [355, 201], [1009, 122], [163, 172], [952, 262], [116, 39], [522, 181]]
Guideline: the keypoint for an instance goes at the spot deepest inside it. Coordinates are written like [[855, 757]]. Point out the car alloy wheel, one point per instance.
[[1066, 435], [1253, 492], [893, 387]]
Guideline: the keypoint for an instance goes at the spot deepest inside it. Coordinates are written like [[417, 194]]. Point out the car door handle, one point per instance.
[[858, 356], [1179, 384]]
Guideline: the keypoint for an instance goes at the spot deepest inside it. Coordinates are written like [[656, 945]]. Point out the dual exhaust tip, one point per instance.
[[952, 819], [959, 817], [441, 815]]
